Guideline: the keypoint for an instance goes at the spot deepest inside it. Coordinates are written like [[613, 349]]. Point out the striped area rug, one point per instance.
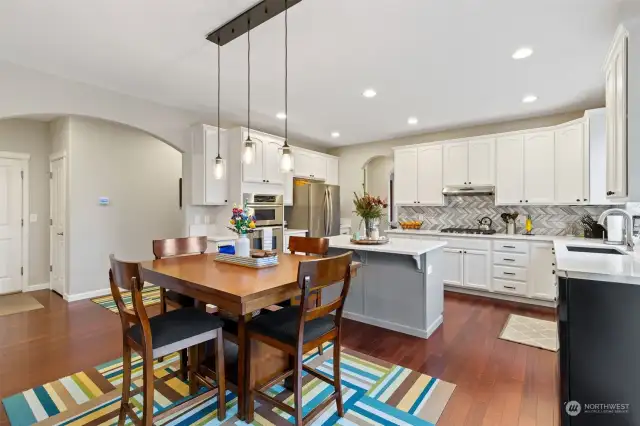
[[375, 393], [150, 296]]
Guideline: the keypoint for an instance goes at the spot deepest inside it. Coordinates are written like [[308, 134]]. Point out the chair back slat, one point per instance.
[[179, 246], [127, 276], [308, 245], [316, 274]]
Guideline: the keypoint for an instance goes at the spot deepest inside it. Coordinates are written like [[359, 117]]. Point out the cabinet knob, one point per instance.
[[526, 201], [578, 199], [585, 199], [520, 200], [460, 251], [610, 192], [469, 183], [464, 251], [553, 272]]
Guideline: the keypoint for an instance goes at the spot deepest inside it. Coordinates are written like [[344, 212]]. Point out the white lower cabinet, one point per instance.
[[476, 269], [525, 269], [467, 264], [453, 268], [542, 274]]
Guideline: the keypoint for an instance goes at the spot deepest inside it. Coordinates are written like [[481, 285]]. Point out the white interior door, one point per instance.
[[10, 226], [58, 196]]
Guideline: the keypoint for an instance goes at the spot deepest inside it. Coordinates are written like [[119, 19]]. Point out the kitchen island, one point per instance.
[[398, 287]]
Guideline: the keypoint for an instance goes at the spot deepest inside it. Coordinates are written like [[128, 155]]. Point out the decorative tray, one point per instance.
[[370, 242], [249, 262]]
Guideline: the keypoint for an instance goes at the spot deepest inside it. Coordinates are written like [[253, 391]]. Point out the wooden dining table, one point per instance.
[[238, 291]]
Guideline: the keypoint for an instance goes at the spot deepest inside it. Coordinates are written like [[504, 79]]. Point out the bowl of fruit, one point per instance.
[[411, 224]]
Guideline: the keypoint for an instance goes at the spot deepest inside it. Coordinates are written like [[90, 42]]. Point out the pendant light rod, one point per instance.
[[286, 74], [218, 157], [249, 81], [249, 19]]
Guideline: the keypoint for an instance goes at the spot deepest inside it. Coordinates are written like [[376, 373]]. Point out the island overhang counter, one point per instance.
[[398, 287]]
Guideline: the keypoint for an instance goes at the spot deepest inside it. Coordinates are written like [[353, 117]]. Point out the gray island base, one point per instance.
[[399, 286]]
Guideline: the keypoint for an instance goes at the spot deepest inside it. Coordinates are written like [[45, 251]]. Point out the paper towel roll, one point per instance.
[[614, 229]]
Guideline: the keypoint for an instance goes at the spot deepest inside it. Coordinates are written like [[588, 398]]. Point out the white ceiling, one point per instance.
[[447, 62]]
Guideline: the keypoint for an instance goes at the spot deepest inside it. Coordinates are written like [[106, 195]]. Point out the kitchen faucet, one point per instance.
[[628, 224]]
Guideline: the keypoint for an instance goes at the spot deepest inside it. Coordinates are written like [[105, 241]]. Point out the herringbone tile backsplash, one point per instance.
[[465, 211]]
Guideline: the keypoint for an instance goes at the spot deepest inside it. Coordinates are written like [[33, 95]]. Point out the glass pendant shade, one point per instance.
[[218, 168], [286, 161], [249, 152]]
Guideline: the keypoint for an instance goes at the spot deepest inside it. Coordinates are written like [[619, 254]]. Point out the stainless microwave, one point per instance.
[[267, 208]]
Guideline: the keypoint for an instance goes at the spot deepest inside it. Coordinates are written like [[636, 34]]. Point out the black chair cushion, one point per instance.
[[180, 299], [284, 304], [282, 325], [176, 326]]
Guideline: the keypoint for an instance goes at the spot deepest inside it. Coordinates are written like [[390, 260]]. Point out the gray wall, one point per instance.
[[32, 137]]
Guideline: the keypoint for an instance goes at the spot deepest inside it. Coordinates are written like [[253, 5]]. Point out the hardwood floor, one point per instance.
[[498, 382]]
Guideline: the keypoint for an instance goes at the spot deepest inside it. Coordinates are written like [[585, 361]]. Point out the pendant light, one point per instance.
[[218, 168], [286, 161], [248, 153]]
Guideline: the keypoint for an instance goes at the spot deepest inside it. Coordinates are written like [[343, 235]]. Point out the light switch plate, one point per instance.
[[33, 217]]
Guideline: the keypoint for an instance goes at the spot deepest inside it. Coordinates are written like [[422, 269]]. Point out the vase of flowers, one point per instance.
[[242, 223], [370, 209]]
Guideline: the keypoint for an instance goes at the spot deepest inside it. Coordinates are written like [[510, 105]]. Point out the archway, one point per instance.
[[377, 180]]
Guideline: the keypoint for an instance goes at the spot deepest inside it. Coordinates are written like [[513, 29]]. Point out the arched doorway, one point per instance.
[[377, 180]]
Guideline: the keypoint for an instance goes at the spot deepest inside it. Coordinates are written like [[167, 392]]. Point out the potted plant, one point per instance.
[[370, 209], [242, 223]]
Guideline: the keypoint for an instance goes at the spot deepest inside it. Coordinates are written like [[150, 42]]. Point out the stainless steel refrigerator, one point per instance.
[[316, 207]]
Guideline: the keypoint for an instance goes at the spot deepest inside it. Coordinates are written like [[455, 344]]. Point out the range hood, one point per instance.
[[469, 190]]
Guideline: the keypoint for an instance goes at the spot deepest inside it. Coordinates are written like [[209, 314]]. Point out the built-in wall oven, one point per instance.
[[268, 210]]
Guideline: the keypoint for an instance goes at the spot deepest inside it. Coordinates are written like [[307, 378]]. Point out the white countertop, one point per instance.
[[595, 266], [394, 246], [492, 236]]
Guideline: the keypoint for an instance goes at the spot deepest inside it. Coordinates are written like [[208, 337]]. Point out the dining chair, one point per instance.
[[298, 329], [310, 247], [160, 336], [171, 247]]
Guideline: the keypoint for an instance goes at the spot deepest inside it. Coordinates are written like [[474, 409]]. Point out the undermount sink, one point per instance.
[[598, 250]]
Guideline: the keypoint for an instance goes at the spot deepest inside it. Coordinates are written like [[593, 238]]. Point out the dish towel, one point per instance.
[[267, 238]]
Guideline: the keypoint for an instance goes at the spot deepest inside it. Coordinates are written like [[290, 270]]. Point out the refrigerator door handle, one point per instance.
[[330, 203], [326, 212]]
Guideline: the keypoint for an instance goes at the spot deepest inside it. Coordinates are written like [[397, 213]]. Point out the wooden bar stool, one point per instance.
[[298, 329], [160, 336], [171, 247]]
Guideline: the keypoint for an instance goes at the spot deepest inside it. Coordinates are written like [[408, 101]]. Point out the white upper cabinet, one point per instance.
[[254, 172], [481, 162], [455, 163], [271, 162], [570, 167], [309, 164], [616, 116], [405, 166], [510, 170], [332, 171], [206, 190], [429, 175], [539, 168]]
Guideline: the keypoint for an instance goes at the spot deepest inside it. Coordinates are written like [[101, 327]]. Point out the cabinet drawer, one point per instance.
[[469, 244], [510, 287], [511, 259], [511, 246], [508, 273]]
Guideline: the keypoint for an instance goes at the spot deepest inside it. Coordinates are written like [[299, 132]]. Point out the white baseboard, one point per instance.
[[36, 287], [87, 295], [393, 326], [526, 300]]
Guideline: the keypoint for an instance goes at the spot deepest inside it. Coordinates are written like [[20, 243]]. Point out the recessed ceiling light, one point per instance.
[[412, 120], [529, 98], [335, 134], [281, 115], [523, 52], [369, 93]]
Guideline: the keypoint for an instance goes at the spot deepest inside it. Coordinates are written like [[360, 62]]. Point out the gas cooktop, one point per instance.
[[468, 231]]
